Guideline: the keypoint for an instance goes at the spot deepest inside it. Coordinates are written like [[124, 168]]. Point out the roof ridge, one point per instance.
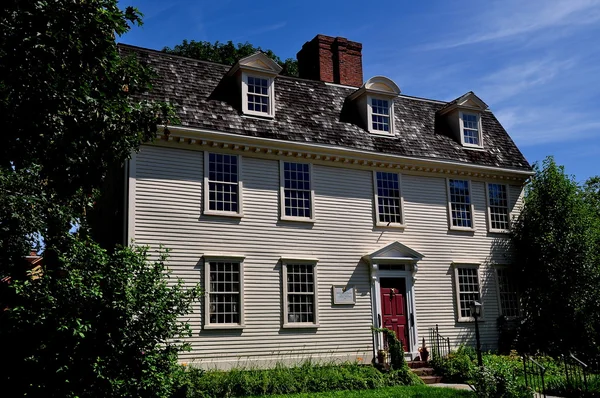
[[160, 52]]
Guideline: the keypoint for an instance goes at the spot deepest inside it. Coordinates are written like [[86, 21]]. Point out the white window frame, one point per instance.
[[285, 261], [370, 115], [378, 223], [456, 267], [234, 258], [271, 94], [471, 207], [500, 309], [489, 208], [462, 129], [207, 210], [282, 214]]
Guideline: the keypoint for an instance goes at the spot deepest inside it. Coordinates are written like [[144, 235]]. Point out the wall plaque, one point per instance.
[[344, 294]]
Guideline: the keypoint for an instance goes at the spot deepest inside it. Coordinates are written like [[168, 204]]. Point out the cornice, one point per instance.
[[191, 138]]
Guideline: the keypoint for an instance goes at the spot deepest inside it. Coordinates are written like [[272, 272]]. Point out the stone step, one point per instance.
[[424, 371], [431, 379], [417, 364]]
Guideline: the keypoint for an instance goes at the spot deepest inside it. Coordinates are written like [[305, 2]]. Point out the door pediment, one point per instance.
[[394, 253]]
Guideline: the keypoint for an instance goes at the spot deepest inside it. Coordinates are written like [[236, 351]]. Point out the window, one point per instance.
[[300, 293], [258, 95], [470, 129], [467, 290], [498, 214], [224, 296], [296, 191], [461, 210], [380, 112], [507, 293], [388, 199], [223, 192]]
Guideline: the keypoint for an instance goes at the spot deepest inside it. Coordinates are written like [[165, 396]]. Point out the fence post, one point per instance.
[[525, 370], [448, 339], [437, 337]]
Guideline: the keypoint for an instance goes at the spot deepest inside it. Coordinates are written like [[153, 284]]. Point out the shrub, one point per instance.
[[306, 378], [459, 367]]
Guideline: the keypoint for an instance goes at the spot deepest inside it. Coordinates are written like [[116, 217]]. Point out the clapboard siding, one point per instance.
[[168, 211]]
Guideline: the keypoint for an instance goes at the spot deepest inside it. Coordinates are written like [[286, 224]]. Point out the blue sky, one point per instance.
[[536, 63]]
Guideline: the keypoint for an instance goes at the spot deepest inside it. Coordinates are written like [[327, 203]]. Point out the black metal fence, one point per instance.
[[439, 345], [534, 374], [577, 374]]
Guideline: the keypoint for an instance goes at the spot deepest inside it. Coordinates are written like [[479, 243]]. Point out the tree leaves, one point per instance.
[[228, 53]]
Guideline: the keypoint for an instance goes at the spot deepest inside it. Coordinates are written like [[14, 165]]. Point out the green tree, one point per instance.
[[228, 53], [555, 239], [93, 322]]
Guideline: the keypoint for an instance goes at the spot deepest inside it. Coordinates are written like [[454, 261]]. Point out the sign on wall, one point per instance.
[[343, 294]]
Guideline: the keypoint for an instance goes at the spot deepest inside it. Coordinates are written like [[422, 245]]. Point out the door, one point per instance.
[[393, 308]]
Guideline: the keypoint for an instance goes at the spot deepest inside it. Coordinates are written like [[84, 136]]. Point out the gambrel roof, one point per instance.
[[311, 111]]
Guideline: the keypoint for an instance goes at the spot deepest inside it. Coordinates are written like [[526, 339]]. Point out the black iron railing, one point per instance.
[[577, 374], [439, 345], [534, 374]]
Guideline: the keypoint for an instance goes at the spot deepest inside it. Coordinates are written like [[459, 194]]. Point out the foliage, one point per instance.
[[93, 322], [390, 392], [508, 333], [306, 378], [458, 367], [394, 347], [228, 53], [556, 241], [491, 381]]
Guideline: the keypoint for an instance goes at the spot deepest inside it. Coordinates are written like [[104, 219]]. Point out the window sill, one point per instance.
[[381, 133], [258, 115], [300, 325], [223, 326], [464, 229], [470, 320], [297, 219], [471, 146], [499, 231], [390, 225], [223, 213]]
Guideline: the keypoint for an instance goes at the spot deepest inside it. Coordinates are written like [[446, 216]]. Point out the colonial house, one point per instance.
[[311, 209]]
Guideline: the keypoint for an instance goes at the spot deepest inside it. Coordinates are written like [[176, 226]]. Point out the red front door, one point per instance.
[[393, 308]]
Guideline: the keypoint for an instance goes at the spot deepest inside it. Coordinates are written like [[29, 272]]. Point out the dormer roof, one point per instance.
[[468, 101], [258, 62], [378, 85]]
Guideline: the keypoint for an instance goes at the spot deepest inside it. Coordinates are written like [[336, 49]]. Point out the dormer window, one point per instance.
[[380, 115], [374, 102], [463, 116], [256, 78], [258, 95], [470, 130]]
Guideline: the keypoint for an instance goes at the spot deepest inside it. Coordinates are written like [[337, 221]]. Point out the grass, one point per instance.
[[388, 392]]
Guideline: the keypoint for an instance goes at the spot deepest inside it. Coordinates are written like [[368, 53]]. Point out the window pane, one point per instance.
[[509, 304], [380, 115], [258, 94], [468, 285], [498, 203], [224, 292], [460, 203], [301, 294], [297, 191], [388, 198], [223, 182], [470, 129]]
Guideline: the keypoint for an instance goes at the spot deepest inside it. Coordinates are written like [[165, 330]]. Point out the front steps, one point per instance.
[[425, 373]]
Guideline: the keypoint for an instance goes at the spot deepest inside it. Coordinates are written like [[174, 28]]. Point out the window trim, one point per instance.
[[282, 215], [208, 258], [271, 94], [285, 261], [370, 115], [462, 129], [207, 211], [499, 296], [470, 265], [451, 225], [378, 223], [489, 208]]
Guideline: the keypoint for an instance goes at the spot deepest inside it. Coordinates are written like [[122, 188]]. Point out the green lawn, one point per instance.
[[389, 392]]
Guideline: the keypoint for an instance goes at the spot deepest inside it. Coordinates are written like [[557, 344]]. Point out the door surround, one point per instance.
[[395, 260]]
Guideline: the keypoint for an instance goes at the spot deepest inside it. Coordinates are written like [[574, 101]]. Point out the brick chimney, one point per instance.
[[332, 60]]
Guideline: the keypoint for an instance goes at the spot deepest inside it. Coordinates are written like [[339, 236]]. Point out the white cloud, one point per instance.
[[511, 19]]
